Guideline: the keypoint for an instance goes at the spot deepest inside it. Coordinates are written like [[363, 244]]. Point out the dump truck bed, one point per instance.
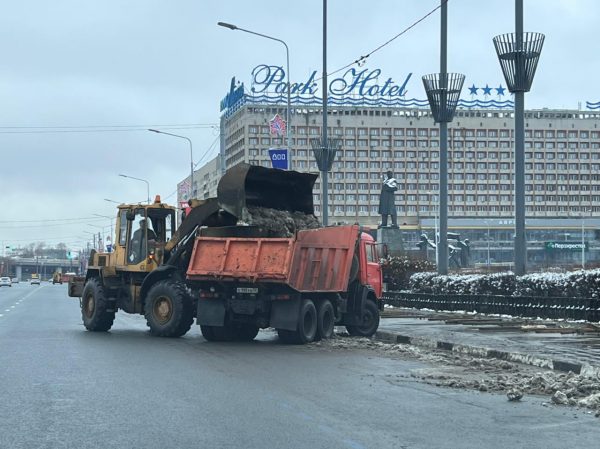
[[316, 260]]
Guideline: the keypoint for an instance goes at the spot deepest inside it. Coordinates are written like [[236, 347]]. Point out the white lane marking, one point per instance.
[[12, 307], [1, 315], [7, 310]]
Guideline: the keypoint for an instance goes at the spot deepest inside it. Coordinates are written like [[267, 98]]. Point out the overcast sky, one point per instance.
[[147, 63]]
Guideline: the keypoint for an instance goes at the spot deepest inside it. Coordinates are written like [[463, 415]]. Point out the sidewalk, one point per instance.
[[579, 353]]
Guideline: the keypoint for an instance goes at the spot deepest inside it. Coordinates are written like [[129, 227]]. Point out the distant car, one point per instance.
[[15, 280], [35, 279], [5, 282]]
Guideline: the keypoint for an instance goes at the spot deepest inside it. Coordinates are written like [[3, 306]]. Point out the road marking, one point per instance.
[[7, 310], [1, 315], [12, 307]]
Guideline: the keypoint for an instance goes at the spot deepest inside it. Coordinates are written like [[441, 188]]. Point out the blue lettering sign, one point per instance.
[[279, 158], [235, 94]]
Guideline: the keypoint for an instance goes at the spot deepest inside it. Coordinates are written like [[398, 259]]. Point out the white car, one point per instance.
[[5, 282], [34, 280]]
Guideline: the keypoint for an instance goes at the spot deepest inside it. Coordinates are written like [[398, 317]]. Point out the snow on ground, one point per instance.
[[455, 370]]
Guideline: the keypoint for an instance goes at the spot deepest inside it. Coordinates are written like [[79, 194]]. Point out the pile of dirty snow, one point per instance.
[[280, 223]]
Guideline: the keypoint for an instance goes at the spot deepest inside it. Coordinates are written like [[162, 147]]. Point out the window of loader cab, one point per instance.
[[162, 222], [123, 227]]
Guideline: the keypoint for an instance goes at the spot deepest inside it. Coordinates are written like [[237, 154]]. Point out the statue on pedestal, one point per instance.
[[387, 204]]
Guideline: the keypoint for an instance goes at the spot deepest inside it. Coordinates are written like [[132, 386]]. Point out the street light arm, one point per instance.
[[191, 154], [139, 179]]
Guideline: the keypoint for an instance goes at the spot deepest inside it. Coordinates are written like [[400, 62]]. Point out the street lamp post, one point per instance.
[[139, 179], [518, 54], [289, 83], [583, 238], [191, 155], [443, 91]]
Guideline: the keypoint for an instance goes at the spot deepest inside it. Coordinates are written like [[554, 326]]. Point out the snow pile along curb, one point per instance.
[[582, 369]]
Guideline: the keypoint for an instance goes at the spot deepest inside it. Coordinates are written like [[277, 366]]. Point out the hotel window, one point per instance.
[[363, 143], [350, 143], [264, 130], [374, 131], [253, 129], [362, 131], [398, 132]]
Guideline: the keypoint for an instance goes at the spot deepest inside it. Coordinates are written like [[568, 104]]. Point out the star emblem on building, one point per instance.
[[487, 90], [277, 125], [473, 90], [500, 90]]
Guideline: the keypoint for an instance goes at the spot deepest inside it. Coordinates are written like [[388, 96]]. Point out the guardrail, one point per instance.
[[586, 309]]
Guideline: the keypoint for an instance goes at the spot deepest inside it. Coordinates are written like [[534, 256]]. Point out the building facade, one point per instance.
[[562, 151]]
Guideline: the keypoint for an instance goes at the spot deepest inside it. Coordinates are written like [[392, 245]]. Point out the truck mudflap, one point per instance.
[[211, 312], [76, 284], [284, 314]]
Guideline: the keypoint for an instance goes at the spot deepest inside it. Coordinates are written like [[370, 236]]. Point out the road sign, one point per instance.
[[279, 158]]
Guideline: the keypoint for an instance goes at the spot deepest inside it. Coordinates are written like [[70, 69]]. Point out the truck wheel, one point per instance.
[[217, 333], [306, 329], [325, 320], [169, 309], [370, 321], [94, 305], [245, 332], [207, 332]]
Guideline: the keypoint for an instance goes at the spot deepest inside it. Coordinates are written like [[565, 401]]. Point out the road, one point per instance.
[[64, 387]]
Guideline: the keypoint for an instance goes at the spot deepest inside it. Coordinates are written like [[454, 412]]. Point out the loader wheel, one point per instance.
[[306, 329], [94, 305], [370, 321], [325, 320], [169, 309]]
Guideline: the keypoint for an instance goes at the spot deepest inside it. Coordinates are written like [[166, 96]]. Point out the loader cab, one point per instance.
[[143, 234]]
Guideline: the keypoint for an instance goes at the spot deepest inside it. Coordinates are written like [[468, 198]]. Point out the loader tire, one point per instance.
[[370, 321], [169, 309], [306, 329], [95, 308], [325, 320]]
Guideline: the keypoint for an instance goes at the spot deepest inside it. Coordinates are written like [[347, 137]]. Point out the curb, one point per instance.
[[583, 369]]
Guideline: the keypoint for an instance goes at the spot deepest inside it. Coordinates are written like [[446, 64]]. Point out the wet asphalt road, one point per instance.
[[64, 387]]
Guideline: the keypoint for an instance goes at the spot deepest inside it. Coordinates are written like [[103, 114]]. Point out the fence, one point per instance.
[[586, 309]]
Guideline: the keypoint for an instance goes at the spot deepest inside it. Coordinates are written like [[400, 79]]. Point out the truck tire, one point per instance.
[[217, 333], [306, 329], [245, 332], [207, 332], [370, 321], [94, 307], [325, 320], [169, 309]]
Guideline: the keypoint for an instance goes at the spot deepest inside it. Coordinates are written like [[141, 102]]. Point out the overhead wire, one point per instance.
[[362, 60]]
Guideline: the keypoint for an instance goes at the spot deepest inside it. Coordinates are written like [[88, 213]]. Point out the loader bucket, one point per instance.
[[247, 185]]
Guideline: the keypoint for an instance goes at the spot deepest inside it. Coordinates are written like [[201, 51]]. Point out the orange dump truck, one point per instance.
[[303, 286]]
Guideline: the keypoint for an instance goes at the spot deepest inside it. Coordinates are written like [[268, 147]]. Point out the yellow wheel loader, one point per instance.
[[145, 273]]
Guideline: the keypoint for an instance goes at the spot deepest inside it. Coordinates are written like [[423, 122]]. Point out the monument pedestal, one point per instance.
[[392, 239]]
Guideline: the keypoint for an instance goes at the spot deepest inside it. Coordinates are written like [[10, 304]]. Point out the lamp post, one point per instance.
[[443, 91], [518, 54], [583, 238], [139, 179], [289, 83], [191, 155]]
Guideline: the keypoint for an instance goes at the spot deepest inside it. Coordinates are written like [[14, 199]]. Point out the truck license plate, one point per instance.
[[253, 290]]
